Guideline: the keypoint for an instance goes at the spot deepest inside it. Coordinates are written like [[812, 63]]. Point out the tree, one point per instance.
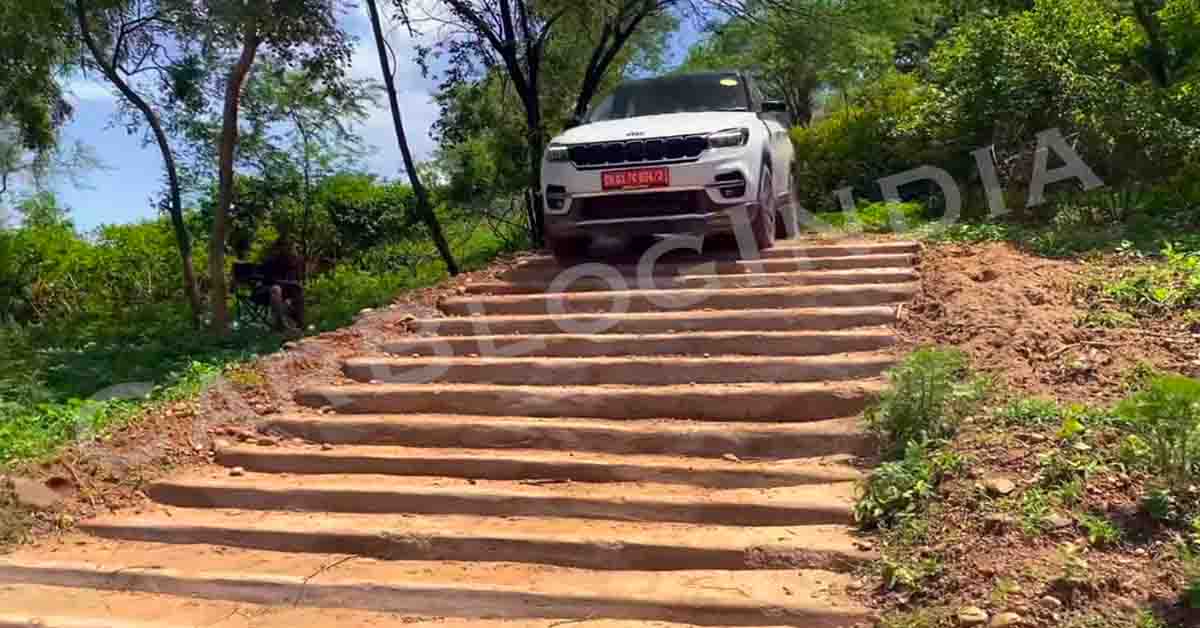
[[620, 20], [35, 49], [303, 126], [424, 207], [130, 40], [300, 32]]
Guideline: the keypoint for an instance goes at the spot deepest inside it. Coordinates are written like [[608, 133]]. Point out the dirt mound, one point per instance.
[[1022, 318]]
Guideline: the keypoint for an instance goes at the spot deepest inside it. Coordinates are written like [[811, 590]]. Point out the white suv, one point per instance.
[[676, 154]]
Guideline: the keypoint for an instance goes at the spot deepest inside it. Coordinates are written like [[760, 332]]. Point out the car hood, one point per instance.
[[665, 125]]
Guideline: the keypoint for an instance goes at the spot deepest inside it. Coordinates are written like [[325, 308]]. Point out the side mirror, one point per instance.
[[774, 106]]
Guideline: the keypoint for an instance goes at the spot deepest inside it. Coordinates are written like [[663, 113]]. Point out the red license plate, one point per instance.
[[638, 178]]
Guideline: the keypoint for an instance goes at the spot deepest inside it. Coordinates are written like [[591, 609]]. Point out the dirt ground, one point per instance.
[[1021, 318]]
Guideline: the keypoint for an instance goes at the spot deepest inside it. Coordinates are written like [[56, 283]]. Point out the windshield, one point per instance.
[[674, 94]]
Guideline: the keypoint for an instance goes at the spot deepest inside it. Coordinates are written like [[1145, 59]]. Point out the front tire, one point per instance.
[[763, 223]]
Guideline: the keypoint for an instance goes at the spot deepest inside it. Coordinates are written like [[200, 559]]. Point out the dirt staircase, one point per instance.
[[688, 460]]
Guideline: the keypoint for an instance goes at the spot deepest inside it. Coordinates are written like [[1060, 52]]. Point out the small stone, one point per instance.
[[708, 355], [326, 447], [365, 311], [197, 448], [291, 345], [375, 382], [972, 616], [237, 472], [998, 522], [1058, 522], [998, 486], [416, 355], [266, 441], [1003, 620], [731, 458], [1051, 602]]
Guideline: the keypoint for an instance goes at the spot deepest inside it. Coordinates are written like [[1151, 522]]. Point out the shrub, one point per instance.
[[896, 490], [928, 394], [1170, 284], [1165, 415]]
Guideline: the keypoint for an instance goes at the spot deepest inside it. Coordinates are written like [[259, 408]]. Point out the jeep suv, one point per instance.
[[676, 154]]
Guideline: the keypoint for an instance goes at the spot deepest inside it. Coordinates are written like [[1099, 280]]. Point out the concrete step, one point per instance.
[[63, 607], [783, 249], [142, 584], [704, 402], [655, 371], [691, 299], [797, 319], [699, 343], [533, 464], [546, 272], [600, 545], [715, 281], [624, 501], [748, 441]]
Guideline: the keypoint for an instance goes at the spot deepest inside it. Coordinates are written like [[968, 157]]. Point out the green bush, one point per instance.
[[928, 394], [1165, 415], [896, 490], [1173, 283], [878, 217]]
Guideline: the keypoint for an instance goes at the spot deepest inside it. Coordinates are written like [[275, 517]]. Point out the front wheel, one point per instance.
[[763, 223]]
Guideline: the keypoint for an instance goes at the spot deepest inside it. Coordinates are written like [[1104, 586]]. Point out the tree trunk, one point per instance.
[[183, 239], [228, 148], [424, 207]]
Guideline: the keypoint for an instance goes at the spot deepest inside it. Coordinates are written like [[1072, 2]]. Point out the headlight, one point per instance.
[[558, 153], [729, 138]]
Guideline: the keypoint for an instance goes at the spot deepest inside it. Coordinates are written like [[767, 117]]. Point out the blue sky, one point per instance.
[[131, 175]]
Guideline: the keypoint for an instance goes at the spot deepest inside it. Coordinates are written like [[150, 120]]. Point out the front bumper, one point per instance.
[[702, 217]]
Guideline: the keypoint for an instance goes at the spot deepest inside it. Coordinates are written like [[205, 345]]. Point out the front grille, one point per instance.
[[638, 151], [638, 205]]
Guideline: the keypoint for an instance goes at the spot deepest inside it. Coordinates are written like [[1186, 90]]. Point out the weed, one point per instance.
[[907, 574], [1004, 588], [929, 394], [1161, 505], [1100, 531], [1074, 566], [1147, 619], [1166, 416], [1062, 467], [1069, 493], [1033, 508], [916, 618], [1030, 411], [1169, 284], [1141, 374], [1106, 319], [897, 489]]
